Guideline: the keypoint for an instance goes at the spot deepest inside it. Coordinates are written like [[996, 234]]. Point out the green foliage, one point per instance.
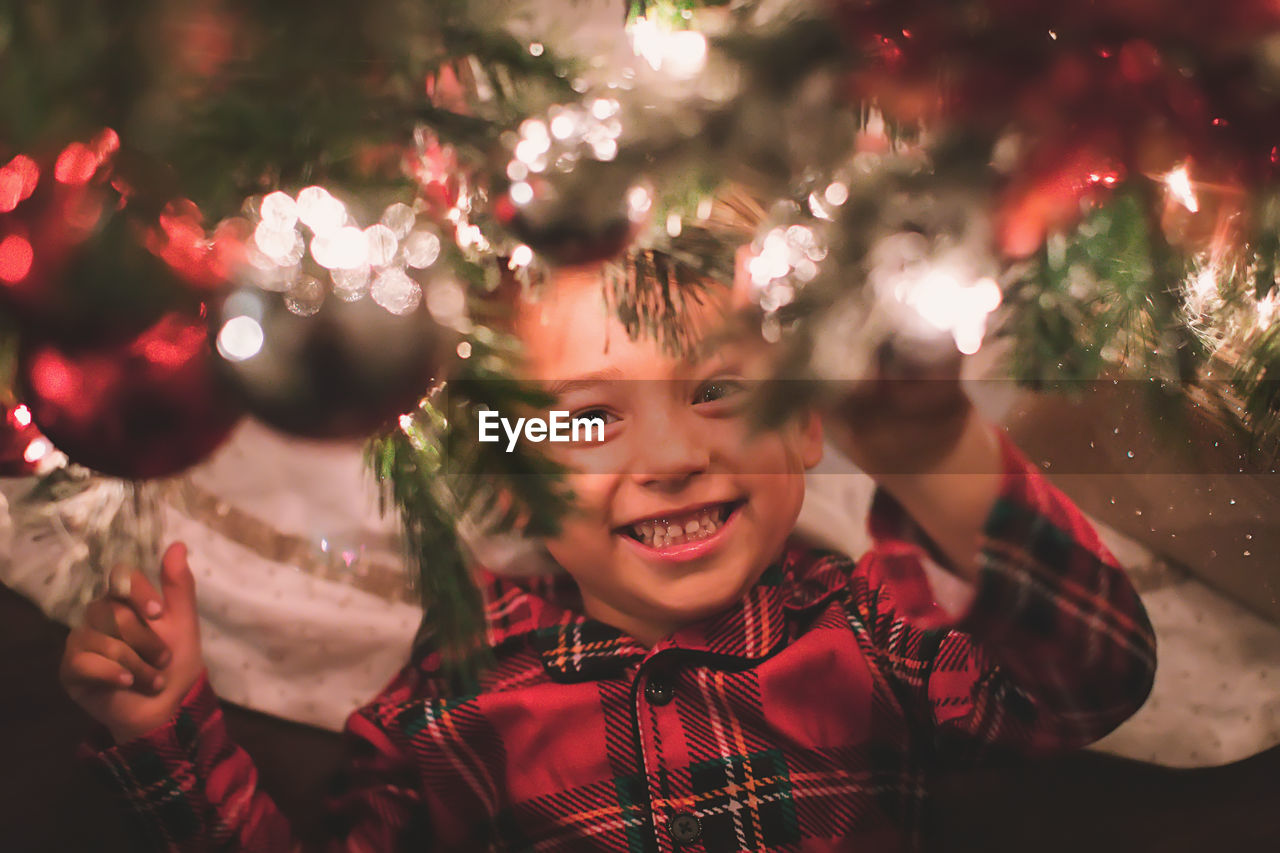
[[449, 487]]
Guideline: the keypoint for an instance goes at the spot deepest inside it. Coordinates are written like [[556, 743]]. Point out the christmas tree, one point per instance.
[[215, 208]]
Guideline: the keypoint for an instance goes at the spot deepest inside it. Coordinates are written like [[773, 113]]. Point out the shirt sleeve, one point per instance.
[[1052, 650], [190, 788]]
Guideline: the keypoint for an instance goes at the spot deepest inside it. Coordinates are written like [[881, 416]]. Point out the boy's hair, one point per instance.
[[651, 290]]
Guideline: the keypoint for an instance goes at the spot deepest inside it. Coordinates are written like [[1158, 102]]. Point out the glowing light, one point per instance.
[[646, 41], [527, 151], [1267, 309], [944, 302], [681, 54], [686, 54], [76, 164], [517, 171], [421, 249], [343, 248], [320, 211], [18, 179], [395, 291], [38, 449], [282, 246], [1205, 284], [604, 108], [21, 415], [836, 194], [240, 338], [604, 149], [521, 193], [471, 235], [279, 211], [382, 244], [638, 202], [350, 285], [817, 208], [1179, 183], [400, 218], [464, 349], [674, 225], [563, 125], [16, 257], [536, 48], [521, 256]]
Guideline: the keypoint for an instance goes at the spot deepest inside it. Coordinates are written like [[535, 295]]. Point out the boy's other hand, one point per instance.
[[136, 652], [904, 420]]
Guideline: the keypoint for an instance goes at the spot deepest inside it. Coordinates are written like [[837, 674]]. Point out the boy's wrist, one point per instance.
[[952, 499]]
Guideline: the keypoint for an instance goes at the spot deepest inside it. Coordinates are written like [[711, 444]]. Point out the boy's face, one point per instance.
[[680, 508]]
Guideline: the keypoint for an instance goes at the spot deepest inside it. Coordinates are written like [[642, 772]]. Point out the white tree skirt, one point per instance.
[[311, 646]]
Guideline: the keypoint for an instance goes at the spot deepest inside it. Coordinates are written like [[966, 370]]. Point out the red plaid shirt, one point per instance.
[[806, 717]]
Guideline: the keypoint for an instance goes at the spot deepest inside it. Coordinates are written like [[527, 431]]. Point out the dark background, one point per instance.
[[1081, 802]]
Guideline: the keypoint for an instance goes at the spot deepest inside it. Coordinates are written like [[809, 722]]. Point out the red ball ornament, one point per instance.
[[73, 266], [149, 407]]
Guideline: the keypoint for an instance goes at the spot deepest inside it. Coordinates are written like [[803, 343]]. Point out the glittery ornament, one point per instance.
[[335, 369], [588, 214]]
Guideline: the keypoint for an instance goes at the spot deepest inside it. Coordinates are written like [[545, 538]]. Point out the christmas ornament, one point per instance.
[[148, 407], [72, 261], [575, 219], [339, 370], [570, 199]]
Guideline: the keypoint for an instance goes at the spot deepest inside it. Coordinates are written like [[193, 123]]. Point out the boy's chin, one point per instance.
[[700, 595]]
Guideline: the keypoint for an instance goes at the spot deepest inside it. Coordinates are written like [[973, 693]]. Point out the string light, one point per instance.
[[1179, 183], [240, 338], [681, 54], [947, 304]]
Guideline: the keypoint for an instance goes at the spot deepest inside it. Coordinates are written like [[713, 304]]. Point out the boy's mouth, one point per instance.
[[662, 531]]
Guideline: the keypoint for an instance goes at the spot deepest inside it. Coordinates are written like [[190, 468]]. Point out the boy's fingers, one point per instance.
[[99, 615], [139, 594], [145, 677], [86, 669], [139, 636], [177, 581]]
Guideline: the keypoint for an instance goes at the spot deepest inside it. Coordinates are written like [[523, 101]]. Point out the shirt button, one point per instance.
[[684, 828], [658, 690]]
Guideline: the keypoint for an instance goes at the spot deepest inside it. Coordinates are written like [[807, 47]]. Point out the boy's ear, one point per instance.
[[811, 438]]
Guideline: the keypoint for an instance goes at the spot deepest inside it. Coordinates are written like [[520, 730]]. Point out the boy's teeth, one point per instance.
[[663, 532]]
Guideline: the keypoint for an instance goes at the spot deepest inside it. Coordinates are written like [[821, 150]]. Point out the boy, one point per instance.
[[697, 679]]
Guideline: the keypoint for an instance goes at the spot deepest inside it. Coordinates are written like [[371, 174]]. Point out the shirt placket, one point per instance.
[[675, 825]]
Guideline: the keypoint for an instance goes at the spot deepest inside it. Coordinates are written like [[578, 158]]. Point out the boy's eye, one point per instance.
[[716, 389], [591, 414]]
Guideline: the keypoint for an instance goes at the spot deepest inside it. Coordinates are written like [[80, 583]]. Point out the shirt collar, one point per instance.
[[546, 612]]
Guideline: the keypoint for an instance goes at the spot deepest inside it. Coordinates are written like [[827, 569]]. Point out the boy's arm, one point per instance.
[[191, 788], [1054, 650]]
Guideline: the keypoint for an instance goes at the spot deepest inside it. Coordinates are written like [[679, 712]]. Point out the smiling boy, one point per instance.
[[696, 678]]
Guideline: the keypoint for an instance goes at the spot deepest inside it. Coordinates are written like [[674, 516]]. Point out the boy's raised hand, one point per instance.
[[136, 652]]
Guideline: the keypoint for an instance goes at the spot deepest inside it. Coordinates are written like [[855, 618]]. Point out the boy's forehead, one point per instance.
[[570, 331]]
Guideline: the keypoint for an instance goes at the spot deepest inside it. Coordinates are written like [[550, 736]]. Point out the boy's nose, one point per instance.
[[670, 454]]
